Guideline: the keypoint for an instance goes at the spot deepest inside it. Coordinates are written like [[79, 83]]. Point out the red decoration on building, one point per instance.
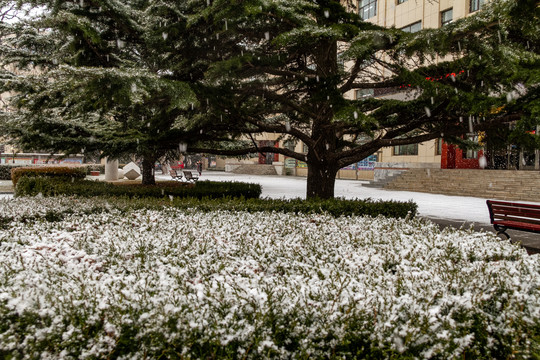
[[452, 158], [429, 78]]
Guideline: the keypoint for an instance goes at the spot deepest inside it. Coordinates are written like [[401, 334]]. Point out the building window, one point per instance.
[[362, 94], [341, 61], [289, 145], [470, 154], [367, 9], [412, 28], [438, 147], [400, 1], [476, 5], [411, 149], [446, 17]]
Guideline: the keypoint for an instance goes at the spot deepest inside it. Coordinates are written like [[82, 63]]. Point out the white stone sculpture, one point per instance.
[[132, 171]]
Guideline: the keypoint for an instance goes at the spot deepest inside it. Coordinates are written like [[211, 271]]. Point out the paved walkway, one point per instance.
[[455, 211]]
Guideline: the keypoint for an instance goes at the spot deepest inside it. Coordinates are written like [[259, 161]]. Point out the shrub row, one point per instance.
[[31, 186], [48, 171], [334, 207], [5, 169], [215, 196], [167, 284]]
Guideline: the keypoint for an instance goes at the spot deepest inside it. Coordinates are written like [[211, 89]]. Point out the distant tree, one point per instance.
[[102, 76], [291, 66]]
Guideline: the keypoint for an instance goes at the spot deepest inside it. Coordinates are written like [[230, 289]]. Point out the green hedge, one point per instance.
[[335, 207], [48, 171], [210, 196], [31, 186], [5, 170]]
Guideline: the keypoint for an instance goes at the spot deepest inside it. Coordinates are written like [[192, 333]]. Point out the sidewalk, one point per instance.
[[6, 187]]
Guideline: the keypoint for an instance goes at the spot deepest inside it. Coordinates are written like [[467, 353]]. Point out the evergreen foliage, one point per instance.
[[208, 196], [101, 77], [99, 278], [296, 62], [49, 186], [5, 170], [142, 77]]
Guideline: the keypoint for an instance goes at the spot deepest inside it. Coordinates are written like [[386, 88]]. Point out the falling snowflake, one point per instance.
[[287, 126]]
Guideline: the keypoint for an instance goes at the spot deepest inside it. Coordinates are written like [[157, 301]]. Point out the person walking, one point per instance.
[[199, 167]]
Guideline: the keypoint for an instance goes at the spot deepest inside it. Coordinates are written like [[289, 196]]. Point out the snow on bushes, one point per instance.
[[166, 283]]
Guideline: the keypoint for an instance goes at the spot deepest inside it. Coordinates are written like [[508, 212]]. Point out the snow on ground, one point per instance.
[[430, 205], [459, 208]]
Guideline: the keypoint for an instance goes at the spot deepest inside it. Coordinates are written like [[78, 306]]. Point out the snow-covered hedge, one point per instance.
[[55, 208], [149, 283]]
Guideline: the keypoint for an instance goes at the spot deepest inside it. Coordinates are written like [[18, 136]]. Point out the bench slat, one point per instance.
[[174, 175], [517, 219], [515, 213], [190, 176], [514, 204], [518, 225], [509, 210]]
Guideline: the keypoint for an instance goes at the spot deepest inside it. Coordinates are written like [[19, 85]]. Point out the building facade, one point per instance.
[[411, 16]]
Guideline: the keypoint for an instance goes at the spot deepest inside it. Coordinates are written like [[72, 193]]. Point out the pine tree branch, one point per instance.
[[249, 150], [270, 128], [379, 85], [352, 77]]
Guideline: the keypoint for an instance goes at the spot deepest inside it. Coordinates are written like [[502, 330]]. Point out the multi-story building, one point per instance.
[[412, 16]]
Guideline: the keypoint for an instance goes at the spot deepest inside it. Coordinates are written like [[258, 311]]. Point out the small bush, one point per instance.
[[335, 207], [5, 169], [48, 171]]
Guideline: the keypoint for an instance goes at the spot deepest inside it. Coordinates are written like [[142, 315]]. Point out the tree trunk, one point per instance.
[[148, 171], [321, 180]]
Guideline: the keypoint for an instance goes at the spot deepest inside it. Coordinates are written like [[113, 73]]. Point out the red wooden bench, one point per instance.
[[516, 216]]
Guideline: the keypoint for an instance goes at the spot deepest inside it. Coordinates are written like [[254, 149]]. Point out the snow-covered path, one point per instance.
[[458, 208]]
